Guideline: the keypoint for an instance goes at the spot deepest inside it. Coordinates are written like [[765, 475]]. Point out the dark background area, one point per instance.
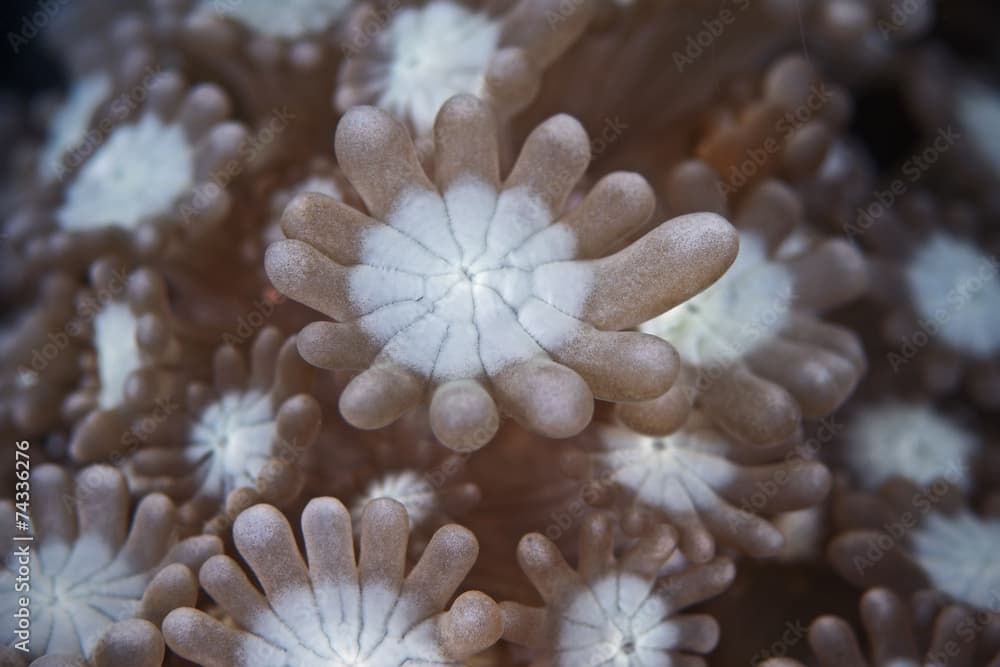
[[30, 69]]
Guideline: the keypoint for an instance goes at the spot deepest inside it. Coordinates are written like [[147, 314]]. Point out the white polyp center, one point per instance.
[[746, 307], [467, 284], [959, 555], [338, 623], [287, 19], [616, 621], [70, 122], [912, 441], [73, 604], [137, 175], [956, 292], [435, 52], [409, 488], [979, 115], [118, 354], [676, 474], [232, 440]]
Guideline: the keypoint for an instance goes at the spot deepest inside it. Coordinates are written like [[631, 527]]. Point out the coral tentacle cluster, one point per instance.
[[476, 293], [329, 610]]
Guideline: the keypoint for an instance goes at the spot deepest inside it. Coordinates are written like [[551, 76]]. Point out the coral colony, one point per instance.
[[555, 333]]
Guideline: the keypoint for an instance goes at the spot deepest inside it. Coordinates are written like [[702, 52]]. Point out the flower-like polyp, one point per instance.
[[910, 440], [953, 285], [240, 441], [327, 609], [952, 281], [120, 200], [409, 466], [940, 287], [709, 487], [131, 364], [426, 54], [477, 291], [924, 632], [757, 355], [99, 588], [909, 538], [614, 611]]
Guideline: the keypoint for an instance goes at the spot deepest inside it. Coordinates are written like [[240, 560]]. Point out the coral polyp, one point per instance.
[[331, 611], [474, 281]]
